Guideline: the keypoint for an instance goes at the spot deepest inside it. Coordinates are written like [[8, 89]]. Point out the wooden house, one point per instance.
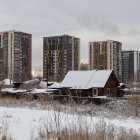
[[90, 83]]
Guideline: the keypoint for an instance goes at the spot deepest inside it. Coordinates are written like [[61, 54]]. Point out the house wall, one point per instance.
[[77, 92], [111, 87], [88, 93], [100, 92], [112, 81], [111, 92]]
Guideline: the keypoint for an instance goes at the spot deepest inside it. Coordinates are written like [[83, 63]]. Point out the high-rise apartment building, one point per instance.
[[60, 54], [106, 55], [15, 55], [130, 66]]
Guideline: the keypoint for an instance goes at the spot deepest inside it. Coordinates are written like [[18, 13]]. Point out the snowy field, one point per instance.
[[22, 124]]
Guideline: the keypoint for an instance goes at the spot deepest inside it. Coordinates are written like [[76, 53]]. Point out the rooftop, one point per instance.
[[86, 79]]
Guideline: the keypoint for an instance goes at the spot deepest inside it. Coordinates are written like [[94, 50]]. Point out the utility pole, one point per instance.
[[47, 75], [11, 73], [46, 70]]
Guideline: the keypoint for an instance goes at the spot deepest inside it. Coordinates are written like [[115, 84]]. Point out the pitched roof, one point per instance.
[[55, 85], [86, 79]]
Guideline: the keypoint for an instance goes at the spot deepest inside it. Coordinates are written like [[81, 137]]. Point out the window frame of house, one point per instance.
[[108, 90], [93, 92]]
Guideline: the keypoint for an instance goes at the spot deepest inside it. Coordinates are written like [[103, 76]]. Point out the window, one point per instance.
[[95, 92], [108, 90], [90, 48]]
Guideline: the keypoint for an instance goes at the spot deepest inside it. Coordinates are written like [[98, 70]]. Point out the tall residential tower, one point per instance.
[[15, 55], [130, 66], [106, 55], [60, 54]]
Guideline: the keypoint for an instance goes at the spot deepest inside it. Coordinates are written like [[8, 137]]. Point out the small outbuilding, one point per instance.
[[90, 83]]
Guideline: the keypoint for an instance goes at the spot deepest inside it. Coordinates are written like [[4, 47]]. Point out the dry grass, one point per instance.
[[81, 129], [134, 101], [114, 109], [74, 131], [99, 131], [4, 129]]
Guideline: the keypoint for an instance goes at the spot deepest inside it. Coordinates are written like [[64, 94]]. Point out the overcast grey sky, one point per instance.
[[89, 20]]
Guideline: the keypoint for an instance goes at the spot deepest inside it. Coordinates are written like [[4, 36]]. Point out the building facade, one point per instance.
[[130, 66], [105, 55], [60, 54], [15, 55], [84, 66]]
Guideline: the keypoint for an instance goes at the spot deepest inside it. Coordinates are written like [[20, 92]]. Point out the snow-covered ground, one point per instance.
[[23, 122]]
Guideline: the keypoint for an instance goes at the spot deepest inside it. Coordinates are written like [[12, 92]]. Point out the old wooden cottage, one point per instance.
[[90, 83]]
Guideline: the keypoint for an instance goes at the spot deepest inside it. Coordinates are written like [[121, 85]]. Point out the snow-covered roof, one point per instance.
[[86, 79], [43, 85], [55, 85], [31, 81], [100, 97], [7, 82], [121, 84], [37, 91], [12, 90]]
